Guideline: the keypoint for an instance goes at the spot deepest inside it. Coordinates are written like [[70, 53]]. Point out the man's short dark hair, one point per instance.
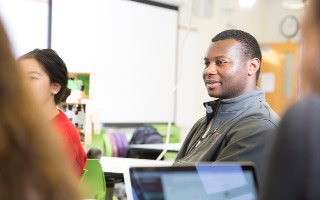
[[250, 46]]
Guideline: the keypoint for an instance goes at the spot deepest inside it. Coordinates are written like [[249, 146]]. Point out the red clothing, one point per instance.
[[71, 140]]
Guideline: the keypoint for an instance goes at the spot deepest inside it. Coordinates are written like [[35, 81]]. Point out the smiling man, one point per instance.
[[237, 125]]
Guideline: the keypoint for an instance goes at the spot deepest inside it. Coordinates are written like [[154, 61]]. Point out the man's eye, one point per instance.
[[33, 78], [220, 62], [207, 64]]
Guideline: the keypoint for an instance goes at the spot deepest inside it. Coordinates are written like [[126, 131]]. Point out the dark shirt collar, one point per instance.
[[239, 103]]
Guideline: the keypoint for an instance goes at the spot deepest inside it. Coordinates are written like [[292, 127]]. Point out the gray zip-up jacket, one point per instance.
[[240, 131]]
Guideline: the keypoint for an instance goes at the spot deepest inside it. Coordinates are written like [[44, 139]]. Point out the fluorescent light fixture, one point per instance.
[[246, 4], [293, 5]]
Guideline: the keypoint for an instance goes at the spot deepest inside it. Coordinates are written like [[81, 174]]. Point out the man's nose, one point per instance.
[[211, 69]]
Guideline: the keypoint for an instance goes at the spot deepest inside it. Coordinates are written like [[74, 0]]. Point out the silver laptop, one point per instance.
[[200, 181]]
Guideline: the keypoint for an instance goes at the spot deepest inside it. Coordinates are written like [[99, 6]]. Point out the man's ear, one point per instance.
[[55, 88], [254, 65]]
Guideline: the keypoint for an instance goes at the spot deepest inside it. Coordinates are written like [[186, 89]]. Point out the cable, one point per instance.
[[171, 100]]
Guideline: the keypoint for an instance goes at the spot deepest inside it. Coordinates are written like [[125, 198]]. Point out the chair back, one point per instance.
[[93, 183]]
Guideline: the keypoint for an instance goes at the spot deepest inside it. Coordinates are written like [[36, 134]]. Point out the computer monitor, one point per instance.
[[200, 181]]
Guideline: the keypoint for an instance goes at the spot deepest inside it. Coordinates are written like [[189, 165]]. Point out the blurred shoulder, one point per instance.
[[304, 108], [302, 116]]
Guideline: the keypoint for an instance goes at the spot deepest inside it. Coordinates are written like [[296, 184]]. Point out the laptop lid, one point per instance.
[[200, 181]]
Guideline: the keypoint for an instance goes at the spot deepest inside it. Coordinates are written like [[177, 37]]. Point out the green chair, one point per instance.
[[93, 184]]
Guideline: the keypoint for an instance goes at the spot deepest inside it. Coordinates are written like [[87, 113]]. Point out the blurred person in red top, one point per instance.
[[47, 74]]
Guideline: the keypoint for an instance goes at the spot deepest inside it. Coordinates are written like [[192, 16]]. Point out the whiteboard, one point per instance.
[[131, 48], [26, 24]]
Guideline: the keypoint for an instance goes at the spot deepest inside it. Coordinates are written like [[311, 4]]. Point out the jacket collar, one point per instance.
[[236, 104]]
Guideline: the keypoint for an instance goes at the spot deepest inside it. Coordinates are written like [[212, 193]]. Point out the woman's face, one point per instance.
[[38, 80], [310, 48]]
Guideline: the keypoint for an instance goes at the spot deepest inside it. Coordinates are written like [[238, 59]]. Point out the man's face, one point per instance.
[[226, 70]]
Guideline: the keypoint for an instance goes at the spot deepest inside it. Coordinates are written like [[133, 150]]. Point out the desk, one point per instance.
[[171, 147], [117, 170]]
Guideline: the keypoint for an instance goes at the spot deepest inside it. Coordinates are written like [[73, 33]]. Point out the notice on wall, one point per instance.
[[267, 81]]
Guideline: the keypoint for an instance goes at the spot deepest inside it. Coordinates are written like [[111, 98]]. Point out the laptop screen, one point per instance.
[[205, 182]]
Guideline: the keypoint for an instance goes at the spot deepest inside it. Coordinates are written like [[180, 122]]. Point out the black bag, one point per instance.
[[145, 135]]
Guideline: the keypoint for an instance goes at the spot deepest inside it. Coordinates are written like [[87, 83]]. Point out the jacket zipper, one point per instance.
[[204, 135]]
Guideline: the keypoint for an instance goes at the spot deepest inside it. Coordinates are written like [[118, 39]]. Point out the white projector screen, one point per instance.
[[130, 47]]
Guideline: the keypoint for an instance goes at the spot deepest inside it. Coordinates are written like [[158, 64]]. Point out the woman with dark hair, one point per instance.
[[33, 166], [294, 165], [47, 74]]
